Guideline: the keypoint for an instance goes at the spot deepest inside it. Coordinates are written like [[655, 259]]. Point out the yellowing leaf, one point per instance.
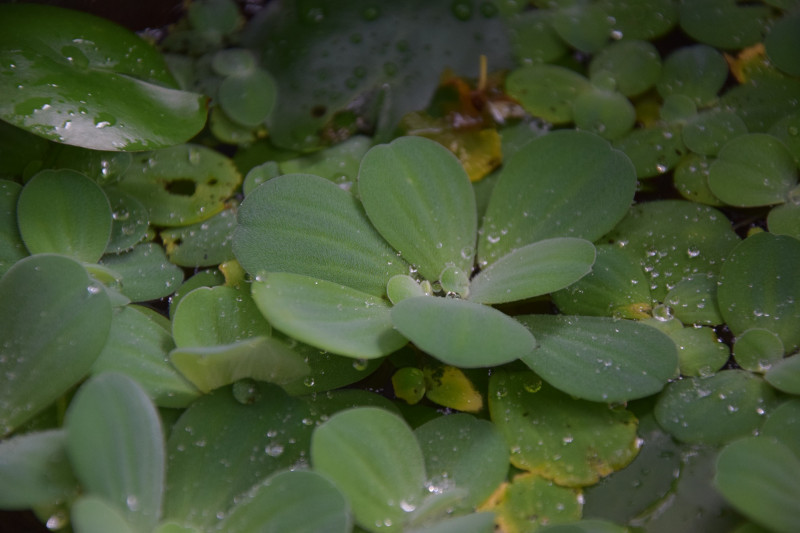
[[450, 387]]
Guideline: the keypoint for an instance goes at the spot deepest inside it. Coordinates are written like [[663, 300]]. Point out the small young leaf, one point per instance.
[[116, 445], [539, 268], [461, 333], [328, 315], [785, 375], [93, 514], [547, 91]]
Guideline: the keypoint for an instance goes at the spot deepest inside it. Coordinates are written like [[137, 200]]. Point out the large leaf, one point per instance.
[[419, 198], [225, 444], [572, 442], [759, 287], [78, 79], [461, 333], [64, 212], [291, 501], [545, 191], [601, 359], [374, 458], [55, 323], [289, 223], [539, 268], [761, 478], [327, 315], [115, 443]]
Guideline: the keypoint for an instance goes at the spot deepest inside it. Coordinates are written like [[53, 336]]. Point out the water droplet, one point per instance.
[[360, 364], [245, 391], [406, 506], [693, 252], [132, 502], [308, 382], [274, 450]]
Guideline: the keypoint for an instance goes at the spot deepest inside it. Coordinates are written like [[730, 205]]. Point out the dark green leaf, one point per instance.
[[146, 272]]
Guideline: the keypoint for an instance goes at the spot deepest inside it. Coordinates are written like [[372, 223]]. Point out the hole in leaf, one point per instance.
[[181, 187]]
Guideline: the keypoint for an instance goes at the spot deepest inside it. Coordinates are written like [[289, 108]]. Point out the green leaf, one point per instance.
[[77, 79], [763, 101], [531, 501], [260, 358], [696, 71], [694, 301], [572, 442], [785, 219], [674, 240], [533, 38], [600, 359], [138, 345], [646, 19], [35, 470], [615, 287], [758, 349], [714, 410], [584, 526], [700, 351], [635, 66], [690, 178], [327, 315], [56, 321], [535, 269], [461, 333], [115, 444], [206, 243], [604, 112], [725, 24], [92, 514], [248, 97], [474, 523], [374, 459], [654, 150], [419, 198], [290, 501], [706, 133], [761, 478], [221, 447], [327, 371], [752, 170], [129, 221], [544, 191], [463, 452], [181, 185], [783, 424], [759, 287], [547, 91], [785, 375], [338, 163], [64, 212], [288, 223], [12, 249], [146, 273], [586, 27]]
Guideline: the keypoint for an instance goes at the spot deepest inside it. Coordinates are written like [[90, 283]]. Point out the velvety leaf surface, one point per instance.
[[374, 458], [93, 514], [64, 212], [137, 346], [327, 371], [654, 150], [694, 301], [759, 287], [547, 91], [600, 359], [706, 133], [327, 315], [115, 444], [78, 79], [544, 191], [461, 333], [785, 375], [535, 269], [35, 470], [531, 501], [761, 478], [700, 351], [419, 198], [222, 446], [783, 424], [696, 71], [463, 452], [288, 223], [146, 272], [573, 442], [634, 65], [716, 409], [724, 23], [757, 349], [129, 220], [56, 321], [206, 243], [290, 501]]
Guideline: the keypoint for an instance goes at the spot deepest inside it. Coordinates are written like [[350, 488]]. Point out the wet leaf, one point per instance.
[[714, 410], [696, 71], [654, 150], [64, 212], [545, 192], [531, 499], [146, 272], [476, 335], [690, 178], [759, 476], [586, 27], [573, 442], [418, 197], [763, 101], [694, 301], [248, 97], [784, 375], [700, 351], [758, 349], [606, 113], [645, 19], [759, 287], [339, 163], [374, 458], [783, 424], [782, 43], [220, 448], [547, 91], [93, 514], [204, 243], [313, 218], [724, 24], [450, 387], [327, 315], [56, 321], [181, 185], [282, 503], [74, 78], [129, 221], [634, 66], [707, 132], [785, 219], [116, 445], [600, 359]]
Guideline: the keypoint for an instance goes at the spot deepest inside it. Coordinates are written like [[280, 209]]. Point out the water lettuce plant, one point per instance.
[[401, 266]]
